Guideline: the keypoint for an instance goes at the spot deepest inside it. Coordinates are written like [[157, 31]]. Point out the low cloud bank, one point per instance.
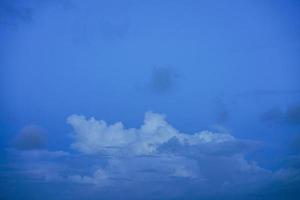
[[156, 161], [158, 152]]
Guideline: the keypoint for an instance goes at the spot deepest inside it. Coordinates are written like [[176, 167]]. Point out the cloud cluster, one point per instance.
[[155, 160], [92, 136], [158, 152]]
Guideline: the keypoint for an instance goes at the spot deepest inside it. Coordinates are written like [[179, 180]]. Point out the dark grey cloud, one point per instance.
[[293, 114], [278, 190], [286, 181], [295, 145], [31, 138], [273, 115], [163, 80], [277, 115]]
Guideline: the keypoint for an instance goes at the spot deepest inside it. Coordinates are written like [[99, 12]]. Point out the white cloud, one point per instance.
[[92, 136], [157, 151], [157, 158]]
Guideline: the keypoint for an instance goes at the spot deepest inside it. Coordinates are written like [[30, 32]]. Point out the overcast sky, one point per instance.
[[162, 99]]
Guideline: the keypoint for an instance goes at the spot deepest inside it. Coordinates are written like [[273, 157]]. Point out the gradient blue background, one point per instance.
[[205, 64]]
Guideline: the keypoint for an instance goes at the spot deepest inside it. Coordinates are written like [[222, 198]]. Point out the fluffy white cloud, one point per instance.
[[153, 159], [157, 151], [92, 136]]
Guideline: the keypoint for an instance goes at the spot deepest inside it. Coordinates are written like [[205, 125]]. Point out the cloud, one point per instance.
[[31, 137], [276, 115], [12, 12], [163, 80], [295, 145], [158, 152], [155, 161], [285, 182], [293, 114], [221, 111], [92, 137], [272, 115]]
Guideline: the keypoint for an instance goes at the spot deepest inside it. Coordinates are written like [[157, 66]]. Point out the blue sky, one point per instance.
[[149, 99]]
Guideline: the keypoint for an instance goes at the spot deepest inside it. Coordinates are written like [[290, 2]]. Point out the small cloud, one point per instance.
[[12, 12], [163, 80], [295, 145], [222, 114], [293, 114], [276, 115], [31, 137]]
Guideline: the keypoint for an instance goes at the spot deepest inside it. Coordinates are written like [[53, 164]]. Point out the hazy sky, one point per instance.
[[157, 99]]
